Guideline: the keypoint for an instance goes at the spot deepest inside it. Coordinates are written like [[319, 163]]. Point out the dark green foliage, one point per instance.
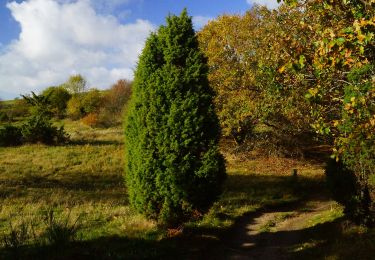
[[173, 165], [58, 98], [39, 129], [40, 104], [341, 181], [357, 147], [10, 135], [348, 191]]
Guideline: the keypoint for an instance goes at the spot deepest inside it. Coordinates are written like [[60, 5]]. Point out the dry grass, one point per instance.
[[84, 178]]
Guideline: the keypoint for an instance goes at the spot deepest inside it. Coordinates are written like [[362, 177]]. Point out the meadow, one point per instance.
[[69, 201]]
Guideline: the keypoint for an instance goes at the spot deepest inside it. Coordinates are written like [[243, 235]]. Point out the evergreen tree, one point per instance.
[[173, 164]]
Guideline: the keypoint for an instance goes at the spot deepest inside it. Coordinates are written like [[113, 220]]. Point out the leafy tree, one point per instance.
[[92, 101], [173, 165], [117, 96], [74, 107], [115, 102], [58, 97], [76, 84], [225, 42], [244, 56], [341, 90]]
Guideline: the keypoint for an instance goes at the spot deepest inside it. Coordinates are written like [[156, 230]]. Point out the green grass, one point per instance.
[[84, 180]]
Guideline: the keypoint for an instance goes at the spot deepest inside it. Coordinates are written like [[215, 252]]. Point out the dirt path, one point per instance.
[[271, 233]]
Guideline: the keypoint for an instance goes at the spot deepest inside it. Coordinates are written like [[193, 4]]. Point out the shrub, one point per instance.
[[58, 97], [10, 135], [91, 120], [74, 107], [92, 101], [117, 96], [39, 129], [85, 103], [173, 165], [114, 104]]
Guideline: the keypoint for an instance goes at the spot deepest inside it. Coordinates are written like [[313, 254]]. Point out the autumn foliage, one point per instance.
[[307, 67]]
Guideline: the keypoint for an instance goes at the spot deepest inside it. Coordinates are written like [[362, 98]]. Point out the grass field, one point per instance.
[[70, 202]]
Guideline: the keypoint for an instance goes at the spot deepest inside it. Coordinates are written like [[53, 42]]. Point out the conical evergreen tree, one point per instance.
[[173, 165]]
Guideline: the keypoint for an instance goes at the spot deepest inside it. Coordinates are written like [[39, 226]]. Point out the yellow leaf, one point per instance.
[[281, 69]]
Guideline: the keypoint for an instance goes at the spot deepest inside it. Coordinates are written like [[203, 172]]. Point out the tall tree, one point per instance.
[[173, 165], [244, 56], [76, 84]]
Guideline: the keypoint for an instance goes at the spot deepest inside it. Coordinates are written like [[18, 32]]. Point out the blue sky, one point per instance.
[[43, 42]]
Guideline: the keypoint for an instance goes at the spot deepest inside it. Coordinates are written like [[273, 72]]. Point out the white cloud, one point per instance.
[[200, 21], [271, 4], [60, 38]]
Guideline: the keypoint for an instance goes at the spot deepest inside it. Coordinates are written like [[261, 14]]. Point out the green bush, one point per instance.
[[173, 165], [58, 98], [82, 104], [10, 135], [92, 101], [39, 129]]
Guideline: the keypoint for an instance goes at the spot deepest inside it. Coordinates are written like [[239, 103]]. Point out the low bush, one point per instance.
[[39, 129], [91, 120]]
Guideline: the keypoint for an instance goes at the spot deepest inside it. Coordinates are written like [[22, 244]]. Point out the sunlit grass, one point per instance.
[[83, 178]]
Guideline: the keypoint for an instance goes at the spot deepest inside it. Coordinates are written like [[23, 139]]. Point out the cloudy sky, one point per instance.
[[43, 42]]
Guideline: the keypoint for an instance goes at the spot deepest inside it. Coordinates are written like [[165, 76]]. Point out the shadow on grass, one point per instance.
[[268, 192], [105, 187], [115, 247]]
